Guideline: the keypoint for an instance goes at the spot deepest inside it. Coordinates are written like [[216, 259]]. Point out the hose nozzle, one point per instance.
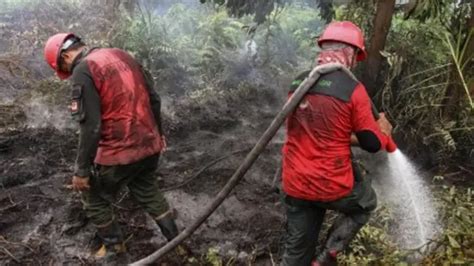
[[391, 145]]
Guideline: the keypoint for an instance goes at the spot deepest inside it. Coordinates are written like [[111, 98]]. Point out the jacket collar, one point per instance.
[[84, 53]]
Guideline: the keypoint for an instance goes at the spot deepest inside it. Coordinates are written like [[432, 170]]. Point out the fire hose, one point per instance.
[[288, 108]]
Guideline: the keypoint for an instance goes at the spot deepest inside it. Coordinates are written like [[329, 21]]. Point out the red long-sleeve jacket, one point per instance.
[[316, 155]]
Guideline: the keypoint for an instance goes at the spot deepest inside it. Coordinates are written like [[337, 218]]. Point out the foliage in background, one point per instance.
[[455, 245], [418, 72], [9, 5], [291, 33], [427, 74], [205, 45], [360, 12], [260, 9]]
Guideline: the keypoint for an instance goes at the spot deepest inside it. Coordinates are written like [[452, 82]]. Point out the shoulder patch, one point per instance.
[[76, 107], [298, 80], [325, 83], [336, 84]]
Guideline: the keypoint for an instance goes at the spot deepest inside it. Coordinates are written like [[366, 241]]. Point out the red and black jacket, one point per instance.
[[316, 155]]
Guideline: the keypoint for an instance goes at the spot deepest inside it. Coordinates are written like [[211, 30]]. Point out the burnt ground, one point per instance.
[[42, 222]]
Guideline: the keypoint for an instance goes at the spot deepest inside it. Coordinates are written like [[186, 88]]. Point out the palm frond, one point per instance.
[[456, 51]]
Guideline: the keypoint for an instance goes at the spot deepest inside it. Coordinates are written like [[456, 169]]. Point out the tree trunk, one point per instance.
[[382, 22], [326, 10]]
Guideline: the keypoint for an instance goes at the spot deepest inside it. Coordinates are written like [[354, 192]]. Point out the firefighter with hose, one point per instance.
[[118, 112], [317, 169]]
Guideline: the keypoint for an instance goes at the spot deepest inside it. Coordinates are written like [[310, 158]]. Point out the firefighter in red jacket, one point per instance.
[[318, 173], [118, 112]]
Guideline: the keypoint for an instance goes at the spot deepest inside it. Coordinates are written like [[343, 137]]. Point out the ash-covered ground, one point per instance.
[[42, 222]]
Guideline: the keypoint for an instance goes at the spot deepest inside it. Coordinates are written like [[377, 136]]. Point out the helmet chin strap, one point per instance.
[[354, 58]]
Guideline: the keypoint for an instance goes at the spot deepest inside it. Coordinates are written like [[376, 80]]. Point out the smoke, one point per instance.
[[186, 45], [42, 114], [161, 7]]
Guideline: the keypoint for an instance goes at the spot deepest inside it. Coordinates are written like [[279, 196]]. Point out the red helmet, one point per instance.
[[345, 32], [52, 51]]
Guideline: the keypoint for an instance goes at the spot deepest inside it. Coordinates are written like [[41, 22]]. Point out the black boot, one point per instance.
[[341, 233], [167, 225], [112, 245], [326, 258]]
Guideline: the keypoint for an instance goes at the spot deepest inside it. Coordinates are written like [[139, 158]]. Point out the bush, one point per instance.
[[455, 245]]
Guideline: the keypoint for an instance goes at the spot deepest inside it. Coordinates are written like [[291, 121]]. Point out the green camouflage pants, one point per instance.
[[138, 177]]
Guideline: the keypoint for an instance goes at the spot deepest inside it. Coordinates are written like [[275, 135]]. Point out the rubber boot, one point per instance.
[[341, 233], [167, 225], [112, 249], [326, 258]]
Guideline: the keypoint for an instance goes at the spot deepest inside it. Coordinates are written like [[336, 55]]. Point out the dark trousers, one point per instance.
[[304, 220], [138, 177]]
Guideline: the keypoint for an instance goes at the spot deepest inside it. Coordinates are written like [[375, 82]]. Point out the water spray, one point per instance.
[[419, 214]]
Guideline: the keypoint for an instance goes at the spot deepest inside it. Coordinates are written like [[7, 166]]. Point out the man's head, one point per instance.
[[345, 39], [60, 51]]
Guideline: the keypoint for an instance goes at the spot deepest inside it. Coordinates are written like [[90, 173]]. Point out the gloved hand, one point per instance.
[[80, 183], [384, 125]]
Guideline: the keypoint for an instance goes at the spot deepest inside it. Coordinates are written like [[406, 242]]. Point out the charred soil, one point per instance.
[[42, 222]]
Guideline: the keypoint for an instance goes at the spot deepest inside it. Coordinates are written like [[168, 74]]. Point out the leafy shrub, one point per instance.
[[208, 45], [453, 246]]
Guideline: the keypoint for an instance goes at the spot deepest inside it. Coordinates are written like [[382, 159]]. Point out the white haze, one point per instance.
[[40, 114]]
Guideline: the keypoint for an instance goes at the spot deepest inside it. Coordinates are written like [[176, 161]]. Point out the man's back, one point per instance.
[[128, 128], [317, 156]]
